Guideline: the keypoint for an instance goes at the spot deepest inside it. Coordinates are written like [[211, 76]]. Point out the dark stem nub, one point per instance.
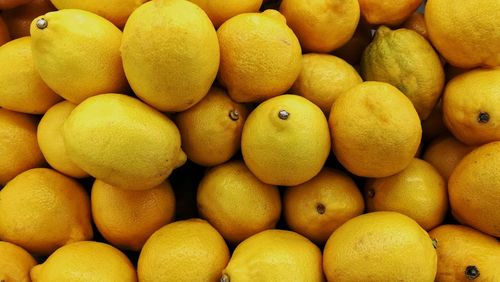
[[224, 278], [370, 193], [320, 208], [471, 272], [483, 117], [234, 115], [435, 243]]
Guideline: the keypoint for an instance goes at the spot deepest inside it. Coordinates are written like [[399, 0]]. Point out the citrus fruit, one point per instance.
[[285, 140], [465, 254], [126, 218], [387, 12], [375, 129], [221, 10], [116, 11], [380, 246], [19, 150], [211, 129], [319, 206], [85, 261], [419, 191], [236, 203], [406, 60], [321, 25], [445, 153], [274, 255], [42, 210], [473, 189], [21, 88], [466, 33], [15, 263], [122, 141], [323, 78], [51, 141], [260, 56], [187, 250], [416, 22], [74, 72], [470, 105], [170, 54]]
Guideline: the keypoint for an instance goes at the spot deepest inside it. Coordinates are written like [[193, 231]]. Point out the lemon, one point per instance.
[[170, 54], [236, 203], [15, 263], [123, 142], [126, 218], [285, 140], [51, 141], [21, 88], [77, 54], [211, 129], [116, 11], [380, 246], [19, 150], [321, 205], [260, 56], [188, 250], [321, 25], [85, 261], [419, 191], [275, 255], [375, 129], [220, 11], [323, 78], [42, 210]]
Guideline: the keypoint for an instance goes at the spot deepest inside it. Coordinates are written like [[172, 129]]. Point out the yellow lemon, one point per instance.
[[211, 129], [42, 210], [321, 25], [466, 33], [471, 106], [323, 78], [126, 218], [220, 11], [21, 88], [419, 191], [375, 129], [380, 246], [85, 261], [275, 255], [236, 203], [260, 56], [445, 153], [122, 141], [116, 11], [319, 206], [473, 189], [188, 250], [15, 263], [51, 141], [465, 254], [170, 54], [19, 150], [387, 12], [77, 54], [285, 140]]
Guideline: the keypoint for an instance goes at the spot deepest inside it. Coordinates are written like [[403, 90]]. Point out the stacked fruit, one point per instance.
[[224, 140]]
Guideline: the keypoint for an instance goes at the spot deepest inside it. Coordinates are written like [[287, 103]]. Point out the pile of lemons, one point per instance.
[[338, 140]]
